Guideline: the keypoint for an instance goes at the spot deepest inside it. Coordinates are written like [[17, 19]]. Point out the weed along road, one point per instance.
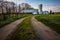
[[8, 29], [44, 32], [24, 31]]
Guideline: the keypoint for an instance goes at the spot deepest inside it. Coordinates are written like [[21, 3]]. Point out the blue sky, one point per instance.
[[48, 5]]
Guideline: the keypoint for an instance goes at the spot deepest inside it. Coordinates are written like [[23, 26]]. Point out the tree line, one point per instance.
[[7, 8]]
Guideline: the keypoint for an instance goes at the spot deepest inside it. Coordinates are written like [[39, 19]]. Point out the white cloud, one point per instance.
[[9, 0], [18, 1], [47, 7], [51, 7]]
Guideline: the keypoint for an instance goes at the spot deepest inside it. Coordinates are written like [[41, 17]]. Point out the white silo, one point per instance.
[[40, 8]]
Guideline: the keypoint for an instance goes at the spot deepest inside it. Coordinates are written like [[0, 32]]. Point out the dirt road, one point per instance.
[[8, 29], [44, 32]]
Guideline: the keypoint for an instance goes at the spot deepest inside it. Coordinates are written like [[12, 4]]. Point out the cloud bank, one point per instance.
[[34, 3]]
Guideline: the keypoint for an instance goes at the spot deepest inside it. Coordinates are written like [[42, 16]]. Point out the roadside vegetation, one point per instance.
[[10, 18], [24, 31], [51, 20]]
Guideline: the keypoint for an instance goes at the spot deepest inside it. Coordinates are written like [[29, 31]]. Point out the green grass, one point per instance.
[[13, 17], [53, 21], [24, 31]]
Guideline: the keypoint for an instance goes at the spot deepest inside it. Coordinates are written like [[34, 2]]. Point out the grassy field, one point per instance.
[[52, 20], [11, 18], [24, 31]]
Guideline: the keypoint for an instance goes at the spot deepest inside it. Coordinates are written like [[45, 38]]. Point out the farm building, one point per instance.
[[32, 11]]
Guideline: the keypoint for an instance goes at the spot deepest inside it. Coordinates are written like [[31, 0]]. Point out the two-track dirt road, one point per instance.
[[44, 32], [8, 29]]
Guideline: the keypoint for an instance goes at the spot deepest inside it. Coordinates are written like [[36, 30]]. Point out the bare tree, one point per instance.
[[5, 5], [19, 8], [13, 5], [1, 5]]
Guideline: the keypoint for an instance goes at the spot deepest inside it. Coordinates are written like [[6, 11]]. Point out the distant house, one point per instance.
[[45, 12]]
